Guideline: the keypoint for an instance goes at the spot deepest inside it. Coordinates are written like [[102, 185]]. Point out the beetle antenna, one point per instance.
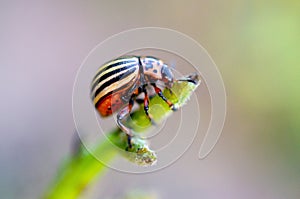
[[193, 78]]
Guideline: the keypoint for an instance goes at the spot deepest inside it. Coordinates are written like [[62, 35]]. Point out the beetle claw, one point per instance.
[[174, 107], [153, 122], [129, 142]]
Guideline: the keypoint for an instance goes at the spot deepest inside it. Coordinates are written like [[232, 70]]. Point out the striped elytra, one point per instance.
[[111, 81]]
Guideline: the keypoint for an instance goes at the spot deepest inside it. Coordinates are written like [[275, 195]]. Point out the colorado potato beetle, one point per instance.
[[118, 82]]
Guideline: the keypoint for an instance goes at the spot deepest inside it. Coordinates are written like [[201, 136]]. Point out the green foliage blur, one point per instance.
[[266, 82]]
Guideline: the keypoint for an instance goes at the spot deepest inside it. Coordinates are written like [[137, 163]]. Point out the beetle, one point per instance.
[[118, 82]]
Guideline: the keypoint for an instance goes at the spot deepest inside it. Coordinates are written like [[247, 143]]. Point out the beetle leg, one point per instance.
[[192, 78], [161, 95], [123, 114], [146, 105]]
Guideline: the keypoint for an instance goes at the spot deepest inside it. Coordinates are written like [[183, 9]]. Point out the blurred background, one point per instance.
[[254, 43]]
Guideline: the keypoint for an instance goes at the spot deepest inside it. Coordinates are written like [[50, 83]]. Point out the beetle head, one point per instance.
[[167, 76]]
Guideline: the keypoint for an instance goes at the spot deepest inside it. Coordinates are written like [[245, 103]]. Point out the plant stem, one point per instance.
[[82, 168]]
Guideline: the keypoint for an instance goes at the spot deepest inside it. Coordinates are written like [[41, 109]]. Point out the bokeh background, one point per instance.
[[255, 45]]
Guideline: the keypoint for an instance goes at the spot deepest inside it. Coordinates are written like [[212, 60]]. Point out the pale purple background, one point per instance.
[[43, 44]]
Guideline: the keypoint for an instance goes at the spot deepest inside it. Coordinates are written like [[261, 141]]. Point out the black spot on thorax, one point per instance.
[[148, 65]]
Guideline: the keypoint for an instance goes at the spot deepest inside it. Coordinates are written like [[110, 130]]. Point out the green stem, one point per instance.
[[83, 168]]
